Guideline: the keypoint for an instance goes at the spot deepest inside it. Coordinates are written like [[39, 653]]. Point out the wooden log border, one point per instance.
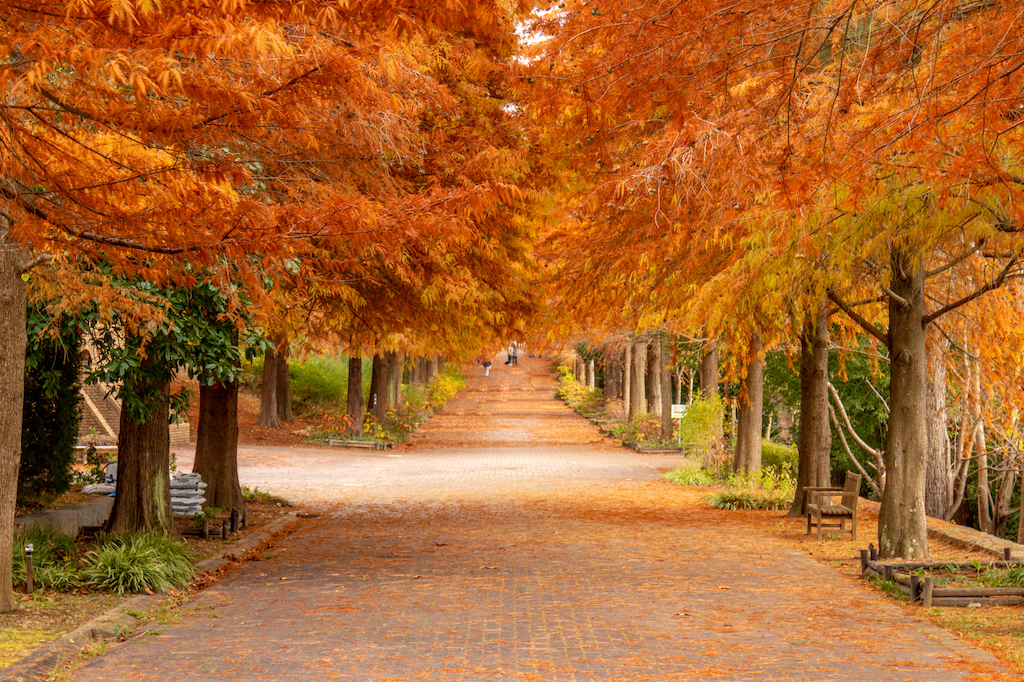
[[921, 590]]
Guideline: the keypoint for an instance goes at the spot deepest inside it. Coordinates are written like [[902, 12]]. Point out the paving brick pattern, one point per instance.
[[490, 553]]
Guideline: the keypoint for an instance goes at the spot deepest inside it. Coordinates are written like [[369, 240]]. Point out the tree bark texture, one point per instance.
[[709, 371], [217, 446], [283, 395], [638, 391], [666, 390], [376, 403], [901, 519], [355, 395], [269, 415], [13, 305], [627, 377], [610, 380], [394, 381], [654, 387], [143, 500], [938, 491], [591, 374], [814, 441], [749, 422]]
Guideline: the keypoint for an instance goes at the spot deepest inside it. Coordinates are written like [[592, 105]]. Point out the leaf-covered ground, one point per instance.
[[511, 542]]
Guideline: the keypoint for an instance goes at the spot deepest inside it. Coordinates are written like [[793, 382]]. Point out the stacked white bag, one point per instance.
[[187, 493]]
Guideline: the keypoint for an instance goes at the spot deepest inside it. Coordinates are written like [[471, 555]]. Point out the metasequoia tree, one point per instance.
[[694, 124], [171, 140]]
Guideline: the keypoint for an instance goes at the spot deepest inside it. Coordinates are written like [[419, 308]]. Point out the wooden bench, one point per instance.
[[821, 506]]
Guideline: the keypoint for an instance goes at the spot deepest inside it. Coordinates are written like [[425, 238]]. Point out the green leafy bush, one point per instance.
[[50, 548], [701, 424], [61, 576], [136, 562], [51, 408], [576, 394], [764, 489], [320, 381], [779, 458], [690, 473]]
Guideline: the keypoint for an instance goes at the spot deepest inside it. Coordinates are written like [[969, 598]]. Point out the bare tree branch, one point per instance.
[[868, 327], [994, 284]]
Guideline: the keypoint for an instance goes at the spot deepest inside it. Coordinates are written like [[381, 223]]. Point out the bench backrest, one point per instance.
[[851, 490]]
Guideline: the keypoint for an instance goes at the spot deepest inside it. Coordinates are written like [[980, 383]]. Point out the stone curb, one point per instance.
[[119, 621], [962, 536]]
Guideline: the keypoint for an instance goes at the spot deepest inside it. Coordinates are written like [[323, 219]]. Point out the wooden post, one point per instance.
[[1006, 553], [865, 556], [926, 593], [888, 573], [915, 587]]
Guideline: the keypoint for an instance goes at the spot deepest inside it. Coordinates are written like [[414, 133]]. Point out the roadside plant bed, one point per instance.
[[656, 449], [48, 612], [936, 583], [359, 444]]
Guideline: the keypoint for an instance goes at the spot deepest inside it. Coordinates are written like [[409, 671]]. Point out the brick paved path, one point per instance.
[[510, 542]]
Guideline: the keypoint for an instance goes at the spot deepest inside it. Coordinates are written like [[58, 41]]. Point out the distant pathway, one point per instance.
[[511, 542]]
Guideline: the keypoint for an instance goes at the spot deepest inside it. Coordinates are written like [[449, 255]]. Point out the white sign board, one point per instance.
[[677, 411]]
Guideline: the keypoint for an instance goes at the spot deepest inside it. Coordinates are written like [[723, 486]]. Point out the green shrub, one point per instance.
[[50, 548], [136, 562], [578, 395], [62, 576], [779, 458], [765, 489], [701, 423], [445, 385], [321, 381], [51, 408], [690, 473], [735, 498]]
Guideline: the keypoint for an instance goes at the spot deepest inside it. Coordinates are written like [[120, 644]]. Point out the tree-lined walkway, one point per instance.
[[509, 542]]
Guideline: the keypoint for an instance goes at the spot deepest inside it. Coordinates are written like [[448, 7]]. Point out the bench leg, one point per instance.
[[819, 525], [853, 527], [808, 523]]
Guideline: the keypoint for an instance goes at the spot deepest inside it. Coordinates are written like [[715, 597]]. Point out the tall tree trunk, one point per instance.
[[902, 531], [939, 479], [627, 378], [654, 387], [591, 373], [748, 428], [394, 380], [814, 441], [666, 389], [377, 400], [217, 446], [269, 415], [638, 391], [355, 394], [610, 379], [709, 371], [143, 500], [433, 368], [283, 396], [13, 340]]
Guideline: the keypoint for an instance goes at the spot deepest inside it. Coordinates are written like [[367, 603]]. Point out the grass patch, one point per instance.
[[764, 489], [690, 473], [138, 562], [257, 495]]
